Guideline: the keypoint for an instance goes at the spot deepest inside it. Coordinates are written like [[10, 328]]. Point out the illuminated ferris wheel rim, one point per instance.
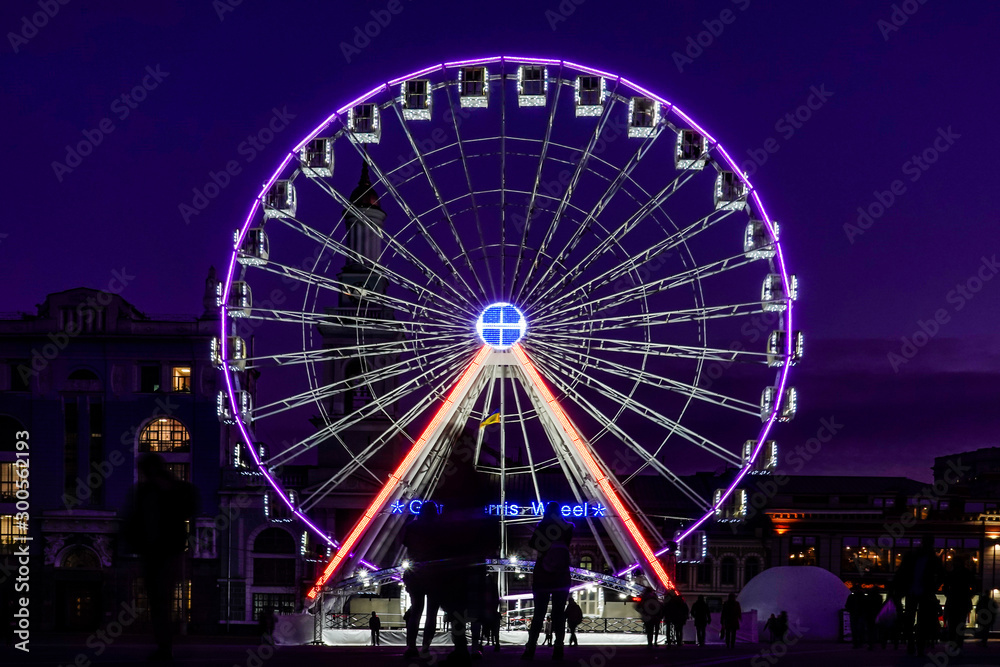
[[751, 193]]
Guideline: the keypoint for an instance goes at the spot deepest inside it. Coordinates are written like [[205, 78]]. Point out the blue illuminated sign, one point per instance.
[[579, 510], [501, 325], [568, 510]]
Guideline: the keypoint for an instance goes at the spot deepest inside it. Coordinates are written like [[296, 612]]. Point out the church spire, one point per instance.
[[364, 196]]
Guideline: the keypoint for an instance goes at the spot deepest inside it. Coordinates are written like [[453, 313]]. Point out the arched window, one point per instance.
[[586, 562], [164, 435], [269, 568], [751, 568], [727, 571], [81, 558], [274, 541], [705, 571]]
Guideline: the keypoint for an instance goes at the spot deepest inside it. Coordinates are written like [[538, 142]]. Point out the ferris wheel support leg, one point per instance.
[[579, 450], [441, 418]]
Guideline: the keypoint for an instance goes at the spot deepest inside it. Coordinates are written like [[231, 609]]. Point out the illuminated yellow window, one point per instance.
[[180, 377], [164, 435]]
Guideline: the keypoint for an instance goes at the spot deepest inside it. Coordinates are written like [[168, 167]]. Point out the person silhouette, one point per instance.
[[155, 524], [730, 618], [702, 617], [375, 625], [421, 541], [550, 578]]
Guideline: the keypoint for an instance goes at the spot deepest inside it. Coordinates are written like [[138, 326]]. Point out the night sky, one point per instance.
[[902, 125]]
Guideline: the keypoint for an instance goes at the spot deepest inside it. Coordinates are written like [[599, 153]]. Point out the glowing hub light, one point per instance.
[[501, 325]]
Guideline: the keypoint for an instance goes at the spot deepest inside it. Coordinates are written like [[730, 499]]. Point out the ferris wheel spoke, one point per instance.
[[567, 194], [448, 366], [527, 448], [341, 386], [623, 176], [626, 401], [344, 319], [441, 203], [347, 351], [383, 271], [322, 282], [415, 219], [610, 425], [436, 392], [530, 211], [611, 322], [631, 263], [472, 191], [650, 288], [588, 360], [649, 348]]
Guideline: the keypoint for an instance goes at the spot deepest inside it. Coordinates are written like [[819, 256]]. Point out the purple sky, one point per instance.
[[891, 94]]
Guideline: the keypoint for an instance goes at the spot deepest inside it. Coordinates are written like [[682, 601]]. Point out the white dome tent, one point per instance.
[[812, 596]]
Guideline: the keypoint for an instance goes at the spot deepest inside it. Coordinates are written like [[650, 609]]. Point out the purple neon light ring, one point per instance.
[[669, 108]]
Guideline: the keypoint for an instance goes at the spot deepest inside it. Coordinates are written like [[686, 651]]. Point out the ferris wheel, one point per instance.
[[540, 262]]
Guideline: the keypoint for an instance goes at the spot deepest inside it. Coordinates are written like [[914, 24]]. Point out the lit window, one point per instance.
[[8, 475], [586, 562], [180, 378], [10, 530], [164, 435]]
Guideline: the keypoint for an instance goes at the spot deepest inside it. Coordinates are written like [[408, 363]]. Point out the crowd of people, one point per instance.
[[447, 572], [911, 614]]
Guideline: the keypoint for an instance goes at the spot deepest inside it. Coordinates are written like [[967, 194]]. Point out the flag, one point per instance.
[[492, 419]]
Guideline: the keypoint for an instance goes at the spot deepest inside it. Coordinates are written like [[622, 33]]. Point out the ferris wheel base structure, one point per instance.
[[419, 470]]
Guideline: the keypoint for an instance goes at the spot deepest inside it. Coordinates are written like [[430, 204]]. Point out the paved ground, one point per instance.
[[216, 653]]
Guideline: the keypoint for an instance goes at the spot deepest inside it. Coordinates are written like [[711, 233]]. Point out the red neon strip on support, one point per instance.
[[376, 506], [610, 495]]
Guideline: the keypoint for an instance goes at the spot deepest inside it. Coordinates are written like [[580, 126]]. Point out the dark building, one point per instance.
[[94, 382]]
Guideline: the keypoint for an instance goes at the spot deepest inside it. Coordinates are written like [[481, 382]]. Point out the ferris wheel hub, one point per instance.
[[500, 325]]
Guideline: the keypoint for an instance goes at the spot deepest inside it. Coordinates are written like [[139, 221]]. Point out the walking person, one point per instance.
[[959, 587], [650, 609], [375, 625], [702, 617], [676, 612], [770, 627], [550, 579], [855, 607], [574, 616], [919, 575], [730, 618], [422, 544], [156, 525], [548, 630]]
